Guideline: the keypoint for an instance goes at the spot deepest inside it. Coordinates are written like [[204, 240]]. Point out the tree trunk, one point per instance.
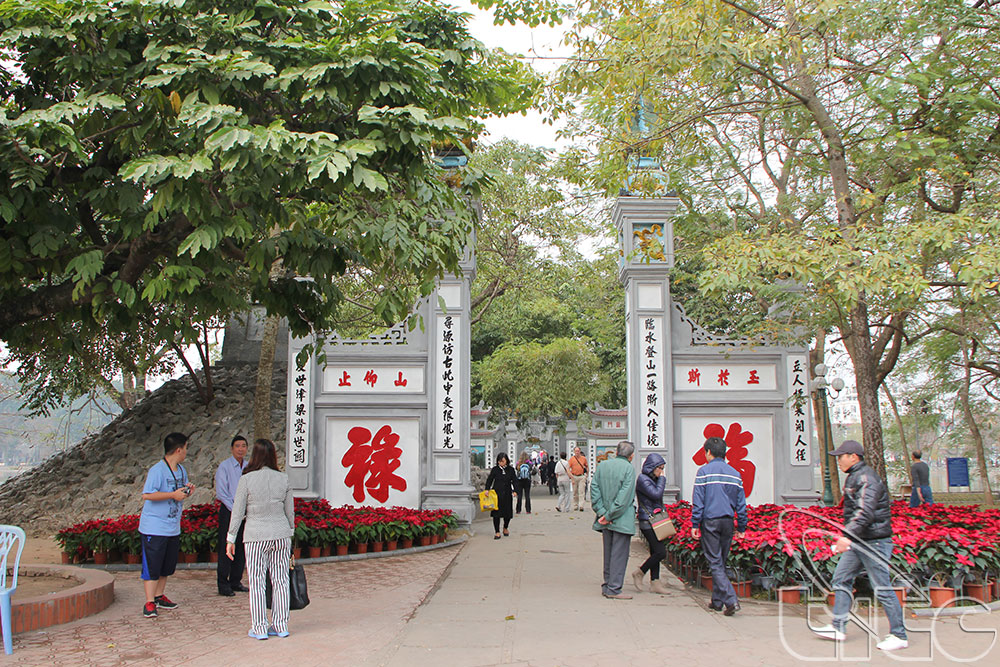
[[970, 418], [859, 346], [899, 425], [265, 370]]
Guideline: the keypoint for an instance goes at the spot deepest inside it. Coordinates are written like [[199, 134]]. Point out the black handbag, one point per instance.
[[298, 592]]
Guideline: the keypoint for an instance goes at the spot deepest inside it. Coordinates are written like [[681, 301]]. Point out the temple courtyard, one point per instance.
[[529, 599]]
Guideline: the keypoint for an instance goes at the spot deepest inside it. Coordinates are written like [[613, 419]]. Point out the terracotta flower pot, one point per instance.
[[742, 588], [390, 545], [941, 596], [377, 546], [189, 558], [314, 552], [790, 595], [425, 540], [114, 556], [980, 591], [296, 552], [361, 548], [900, 592], [341, 549], [213, 557], [67, 558], [133, 559], [706, 582], [435, 539], [327, 550], [100, 558], [406, 543]]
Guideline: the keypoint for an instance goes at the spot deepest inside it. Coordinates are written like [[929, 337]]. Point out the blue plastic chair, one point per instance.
[[9, 536]]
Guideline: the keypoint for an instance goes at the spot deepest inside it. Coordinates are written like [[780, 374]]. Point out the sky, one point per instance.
[[542, 48]]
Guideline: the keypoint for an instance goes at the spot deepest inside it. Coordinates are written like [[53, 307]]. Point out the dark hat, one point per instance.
[[849, 447]]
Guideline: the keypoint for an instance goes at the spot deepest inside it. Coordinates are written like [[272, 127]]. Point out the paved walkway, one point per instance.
[[534, 598], [530, 599]]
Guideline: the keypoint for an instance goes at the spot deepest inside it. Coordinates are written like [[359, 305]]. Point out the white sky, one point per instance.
[[542, 49]]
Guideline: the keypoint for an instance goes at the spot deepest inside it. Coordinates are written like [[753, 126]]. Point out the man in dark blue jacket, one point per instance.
[[718, 495], [866, 544]]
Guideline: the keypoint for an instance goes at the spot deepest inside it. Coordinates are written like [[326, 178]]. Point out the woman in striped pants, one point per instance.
[[264, 497]]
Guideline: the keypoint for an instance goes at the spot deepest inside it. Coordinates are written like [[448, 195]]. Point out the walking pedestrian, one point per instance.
[[227, 477], [561, 474], [920, 478], [552, 479], [524, 468], [866, 544], [264, 498], [578, 473], [503, 481], [718, 494], [649, 486], [612, 496]]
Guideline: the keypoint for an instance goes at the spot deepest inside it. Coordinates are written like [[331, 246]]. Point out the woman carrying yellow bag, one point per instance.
[[501, 481]]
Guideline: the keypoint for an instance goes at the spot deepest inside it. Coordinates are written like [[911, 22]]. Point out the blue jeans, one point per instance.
[[873, 557], [915, 499], [716, 539]]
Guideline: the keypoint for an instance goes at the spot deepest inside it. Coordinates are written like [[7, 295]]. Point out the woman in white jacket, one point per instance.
[[264, 497], [563, 479]]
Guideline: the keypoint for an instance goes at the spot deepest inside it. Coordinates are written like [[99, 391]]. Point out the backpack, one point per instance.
[[524, 472]]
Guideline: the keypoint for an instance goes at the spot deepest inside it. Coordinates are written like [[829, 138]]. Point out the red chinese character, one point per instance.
[[377, 462], [724, 377], [736, 441], [694, 377], [754, 378], [400, 382], [371, 378], [345, 380]]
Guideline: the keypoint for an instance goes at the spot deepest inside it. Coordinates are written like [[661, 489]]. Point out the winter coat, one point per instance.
[[612, 495], [503, 481], [648, 488], [866, 504]]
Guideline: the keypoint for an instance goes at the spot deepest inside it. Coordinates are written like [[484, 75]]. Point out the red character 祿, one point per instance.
[[372, 466], [736, 442]]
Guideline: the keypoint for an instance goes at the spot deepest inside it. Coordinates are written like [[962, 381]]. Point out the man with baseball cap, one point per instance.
[[866, 544]]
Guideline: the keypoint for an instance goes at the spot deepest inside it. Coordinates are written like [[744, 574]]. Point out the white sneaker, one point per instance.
[[830, 632], [892, 643]]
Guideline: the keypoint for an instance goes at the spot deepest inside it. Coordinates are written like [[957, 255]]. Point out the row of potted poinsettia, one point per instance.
[[952, 548], [319, 530]]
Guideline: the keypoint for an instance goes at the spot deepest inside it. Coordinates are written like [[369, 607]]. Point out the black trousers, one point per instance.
[[657, 552], [230, 571], [553, 485], [524, 485], [496, 523], [716, 538]]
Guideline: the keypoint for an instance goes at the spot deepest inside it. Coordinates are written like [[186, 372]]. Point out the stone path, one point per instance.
[[532, 599]]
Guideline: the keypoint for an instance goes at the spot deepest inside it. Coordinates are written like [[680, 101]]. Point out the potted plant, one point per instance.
[[104, 540], [130, 544], [939, 560]]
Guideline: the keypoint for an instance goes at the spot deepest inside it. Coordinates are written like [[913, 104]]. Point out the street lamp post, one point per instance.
[[820, 386]]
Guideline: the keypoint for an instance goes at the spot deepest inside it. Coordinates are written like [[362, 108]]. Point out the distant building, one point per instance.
[[483, 438]]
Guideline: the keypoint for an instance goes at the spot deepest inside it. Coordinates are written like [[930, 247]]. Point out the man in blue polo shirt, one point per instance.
[[164, 493], [718, 495]]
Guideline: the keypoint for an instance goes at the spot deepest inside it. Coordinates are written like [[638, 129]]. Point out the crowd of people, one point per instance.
[[256, 523]]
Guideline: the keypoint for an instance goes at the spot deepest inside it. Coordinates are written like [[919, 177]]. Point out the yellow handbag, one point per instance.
[[488, 500]]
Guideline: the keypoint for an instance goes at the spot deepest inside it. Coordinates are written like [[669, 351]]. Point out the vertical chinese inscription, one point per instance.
[[651, 381], [798, 413], [448, 385], [300, 408]]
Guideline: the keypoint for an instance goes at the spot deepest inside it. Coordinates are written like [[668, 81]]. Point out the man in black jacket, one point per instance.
[[866, 544]]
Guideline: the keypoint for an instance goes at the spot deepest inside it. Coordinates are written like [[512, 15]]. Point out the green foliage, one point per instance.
[[161, 158], [533, 380]]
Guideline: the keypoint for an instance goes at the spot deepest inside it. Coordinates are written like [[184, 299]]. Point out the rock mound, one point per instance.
[[102, 476]]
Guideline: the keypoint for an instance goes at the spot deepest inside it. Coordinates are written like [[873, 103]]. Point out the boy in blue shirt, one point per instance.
[[164, 493]]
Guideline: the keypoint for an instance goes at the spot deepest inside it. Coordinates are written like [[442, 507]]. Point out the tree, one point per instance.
[[842, 147], [161, 156], [531, 380]]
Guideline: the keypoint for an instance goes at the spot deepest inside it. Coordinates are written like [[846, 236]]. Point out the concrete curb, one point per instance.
[[124, 567], [95, 593], [981, 608]]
